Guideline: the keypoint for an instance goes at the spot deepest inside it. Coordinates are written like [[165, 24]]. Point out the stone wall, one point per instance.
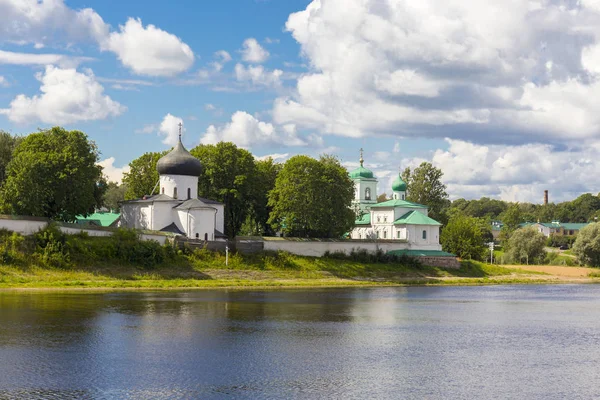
[[443, 262]]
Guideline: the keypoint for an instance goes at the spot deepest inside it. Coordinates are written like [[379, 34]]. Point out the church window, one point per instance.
[[197, 236], [402, 197], [398, 234], [377, 234], [174, 193], [385, 234], [189, 193], [424, 234], [385, 218], [163, 190], [379, 218], [368, 194]]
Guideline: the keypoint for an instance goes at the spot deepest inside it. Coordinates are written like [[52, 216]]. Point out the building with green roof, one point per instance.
[[99, 219], [395, 219]]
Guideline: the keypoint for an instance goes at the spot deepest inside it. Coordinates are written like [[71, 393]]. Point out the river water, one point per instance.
[[494, 342]]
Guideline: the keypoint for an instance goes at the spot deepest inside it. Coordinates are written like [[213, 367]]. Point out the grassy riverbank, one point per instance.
[[51, 259]]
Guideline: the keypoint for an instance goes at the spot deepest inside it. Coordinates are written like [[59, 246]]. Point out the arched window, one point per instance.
[[377, 234], [424, 234], [368, 194], [163, 190], [174, 193], [398, 234], [385, 234], [402, 197], [189, 193], [197, 236]]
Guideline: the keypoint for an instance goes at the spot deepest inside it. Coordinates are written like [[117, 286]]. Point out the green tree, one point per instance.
[[113, 195], [8, 143], [266, 174], [53, 174], [382, 197], [526, 244], [464, 237], [587, 245], [425, 186], [228, 175], [312, 198], [142, 176]]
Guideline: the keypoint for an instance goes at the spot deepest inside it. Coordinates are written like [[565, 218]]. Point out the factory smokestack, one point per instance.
[[545, 197]]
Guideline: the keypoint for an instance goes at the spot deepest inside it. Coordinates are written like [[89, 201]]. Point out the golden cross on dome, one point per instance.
[[180, 125], [361, 157]]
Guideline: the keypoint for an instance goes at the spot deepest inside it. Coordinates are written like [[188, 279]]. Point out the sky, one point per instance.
[[504, 97]]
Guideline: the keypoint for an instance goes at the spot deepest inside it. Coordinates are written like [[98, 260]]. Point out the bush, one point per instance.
[[587, 245], [50, 247], [558, 240], [378, 256]]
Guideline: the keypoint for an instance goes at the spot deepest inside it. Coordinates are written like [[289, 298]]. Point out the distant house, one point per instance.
[[546, 228], [99, 219]]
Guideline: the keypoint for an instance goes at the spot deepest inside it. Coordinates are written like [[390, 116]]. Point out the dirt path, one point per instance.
[[570, 272]]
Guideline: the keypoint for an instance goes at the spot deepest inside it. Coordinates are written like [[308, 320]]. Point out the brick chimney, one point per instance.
[[545, 197]]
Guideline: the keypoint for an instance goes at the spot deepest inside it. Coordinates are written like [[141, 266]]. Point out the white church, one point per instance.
[[396, 219], [177, 208]]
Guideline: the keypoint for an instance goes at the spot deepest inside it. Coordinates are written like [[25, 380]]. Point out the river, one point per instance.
[[488, 342]]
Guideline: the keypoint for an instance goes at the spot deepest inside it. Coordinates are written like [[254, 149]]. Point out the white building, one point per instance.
[[395, 219], [177, 208]]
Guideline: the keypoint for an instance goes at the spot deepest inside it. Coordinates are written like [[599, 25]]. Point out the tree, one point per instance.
[[312, 198], [425, 186], [53, 174], [8, 143], [463, 236], [587, 245], [142, 176], [266, 174], [382, 197], [228, 175], [526, 244], [113, 195]]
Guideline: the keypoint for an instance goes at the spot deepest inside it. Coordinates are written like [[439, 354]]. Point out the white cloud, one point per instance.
[[40, 22], [526, 70], [253, 52], [67, 96], [278, 157], [169, 128], [64, 61], [3, 81], [113, 173], [258, 75], [223, 56], [517, 173], [149, 50], [245, 130], [148, 128]]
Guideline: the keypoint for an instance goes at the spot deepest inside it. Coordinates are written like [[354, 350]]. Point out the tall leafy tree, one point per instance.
[[54, 174], [587, 245], [113, 195], [228, 175], [526, 245], [266, 174], [425, 186], [8, 143], [312, 198], [464, 236], [142, 176]]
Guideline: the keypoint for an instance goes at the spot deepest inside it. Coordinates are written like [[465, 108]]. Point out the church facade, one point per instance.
[[177, 207], [397, 219]]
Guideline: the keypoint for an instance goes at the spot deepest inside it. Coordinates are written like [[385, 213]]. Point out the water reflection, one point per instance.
[[438, 343]]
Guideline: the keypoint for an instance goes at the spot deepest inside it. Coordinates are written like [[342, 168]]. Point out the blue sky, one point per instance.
[[503, 99]]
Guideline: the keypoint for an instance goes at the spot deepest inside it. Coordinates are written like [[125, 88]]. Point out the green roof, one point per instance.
[[99, 218], [422, 253], [361, 172], [364, 219], [557, 225], [415, 218], [574, 226], [399, 185], [398, 203]]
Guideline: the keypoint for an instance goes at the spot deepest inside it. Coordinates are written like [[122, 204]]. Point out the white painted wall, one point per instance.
[[220, 217], [24, 227], [182, 182], [318, 249], [162, 214]]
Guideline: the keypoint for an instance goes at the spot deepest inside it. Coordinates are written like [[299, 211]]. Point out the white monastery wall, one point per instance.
[[220, 221], [24, 227], [318, 249], [162, 215]]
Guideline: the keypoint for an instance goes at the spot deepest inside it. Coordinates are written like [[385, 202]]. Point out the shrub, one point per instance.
[[50, 246], [587, 245], [378, 256]]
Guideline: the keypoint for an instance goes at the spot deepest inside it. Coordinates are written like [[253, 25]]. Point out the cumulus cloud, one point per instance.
[[278, 157], [67, 96], [149, 50], [519, 71], [258, 75], [145, 50], [245, 130], [112, 172], [3, 81], [253, 52], [169, 128]]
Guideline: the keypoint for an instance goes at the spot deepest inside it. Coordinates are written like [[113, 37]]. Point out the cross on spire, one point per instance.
[[361, 157], [180, 125]]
